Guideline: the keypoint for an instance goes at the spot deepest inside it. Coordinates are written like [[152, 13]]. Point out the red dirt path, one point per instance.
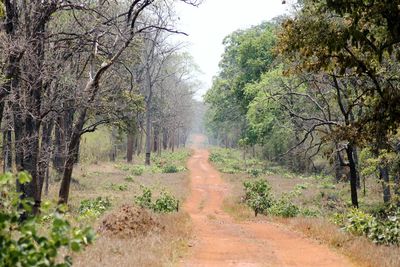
[[219, 241]]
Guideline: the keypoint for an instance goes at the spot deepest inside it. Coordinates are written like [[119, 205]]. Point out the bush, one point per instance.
[[118, 187], [138, 170], [165, 203], [22, 243], [130, 178], [258, 195], [254, 172], [94, 207], [170, 169], [284, 207], [381, 231], [145, 199], [216, 157]]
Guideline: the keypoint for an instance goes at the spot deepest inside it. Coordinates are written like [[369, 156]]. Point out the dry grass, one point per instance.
[[239, 211], [156, 248], [362, 251]]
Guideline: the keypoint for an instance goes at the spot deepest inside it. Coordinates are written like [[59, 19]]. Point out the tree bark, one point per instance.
[[353, 175], [148, 135], [384, 177], [165, 139], [7, 151], [63, 194], [129, 147]]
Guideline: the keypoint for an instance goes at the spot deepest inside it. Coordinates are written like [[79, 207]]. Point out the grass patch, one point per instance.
[[359, 249]]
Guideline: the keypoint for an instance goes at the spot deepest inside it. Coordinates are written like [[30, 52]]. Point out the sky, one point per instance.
[[208, 24]]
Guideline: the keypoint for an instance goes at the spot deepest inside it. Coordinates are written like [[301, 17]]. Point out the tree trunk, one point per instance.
[[178, 138], [7, 151], [73, 146], [148, 134], [129, 147], [140, 142], [155, 139], [384, 177], [355, 152], [165, 139], [59, 147], [45, 155], [353, 175]]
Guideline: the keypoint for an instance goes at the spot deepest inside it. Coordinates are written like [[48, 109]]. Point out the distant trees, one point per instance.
[[62, 78], [326, 86]]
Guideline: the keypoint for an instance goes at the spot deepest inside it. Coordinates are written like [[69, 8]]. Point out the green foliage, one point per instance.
[[254, 172], [145, 199], [170, 169], [138, 170], [2, 10], [258, 195], [129, 178], [165, 203], [93, 207], [216, 157], [284, 207], [29, 242], [379, 230], [118, 187]]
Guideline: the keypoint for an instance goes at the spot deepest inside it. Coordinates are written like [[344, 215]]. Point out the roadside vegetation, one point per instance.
[[315, 205]]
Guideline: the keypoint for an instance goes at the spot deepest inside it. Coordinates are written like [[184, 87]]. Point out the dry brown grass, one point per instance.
[[154, 249], [362, 251]]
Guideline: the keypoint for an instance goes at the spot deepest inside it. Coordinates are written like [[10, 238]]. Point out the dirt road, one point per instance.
[[219, 241]]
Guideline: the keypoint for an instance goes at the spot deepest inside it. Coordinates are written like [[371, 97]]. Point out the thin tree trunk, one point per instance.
[[353, 175], [148, 134], [165, 139], [129, 146], [384, 177], [45, 155], [155, 139], [7, 151]]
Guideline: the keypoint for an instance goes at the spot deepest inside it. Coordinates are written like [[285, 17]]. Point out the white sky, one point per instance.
[[208, 24]]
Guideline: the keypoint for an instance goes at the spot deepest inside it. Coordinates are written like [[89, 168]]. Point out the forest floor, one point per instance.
[[220, 240]]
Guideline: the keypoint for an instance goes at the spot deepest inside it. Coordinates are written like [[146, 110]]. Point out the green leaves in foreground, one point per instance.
[[37, 240]]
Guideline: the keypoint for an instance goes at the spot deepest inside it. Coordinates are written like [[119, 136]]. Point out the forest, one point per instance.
[[106, 151]]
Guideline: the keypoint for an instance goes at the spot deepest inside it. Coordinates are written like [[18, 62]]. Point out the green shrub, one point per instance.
[[145, 199], [170, 169], [229, 170], [166, 203], [254, 172], [94, 207], [130, 178], [284, 207], [379, 230], [30, 242], [258, 195], [216, 157], [118, 187], [138, 170]]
